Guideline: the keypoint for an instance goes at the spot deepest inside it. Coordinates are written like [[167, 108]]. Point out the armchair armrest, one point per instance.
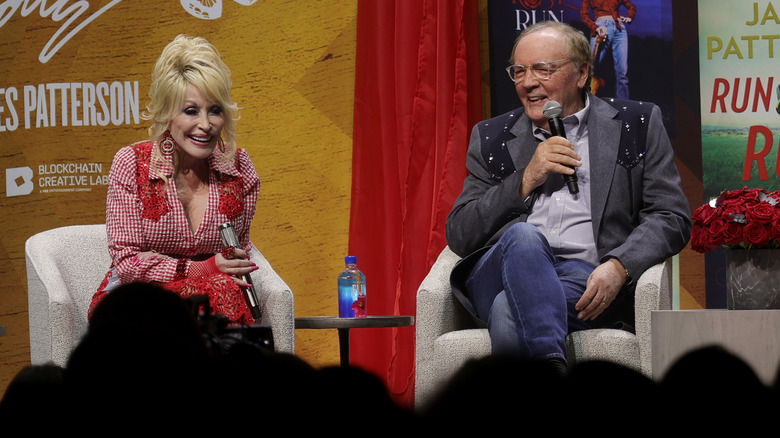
[[60, 287], [436, 305], [51, 312], [653, 292], [277, 303]]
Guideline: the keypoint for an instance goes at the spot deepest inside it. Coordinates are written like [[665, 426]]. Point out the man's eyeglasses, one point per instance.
[[541, 70]]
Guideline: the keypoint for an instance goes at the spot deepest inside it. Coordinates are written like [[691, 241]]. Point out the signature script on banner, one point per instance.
[[71, 12]]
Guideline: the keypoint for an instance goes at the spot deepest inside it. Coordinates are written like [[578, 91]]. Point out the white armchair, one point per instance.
[[64, 268], [446, 336]]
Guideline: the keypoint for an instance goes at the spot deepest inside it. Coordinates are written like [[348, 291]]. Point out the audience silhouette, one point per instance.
[[147, 360], [36, 388], [142, 358], [488, 393], [712, 381]]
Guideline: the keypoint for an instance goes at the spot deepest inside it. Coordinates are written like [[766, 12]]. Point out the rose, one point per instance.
[[705, 214], [733, 210], [756, 233], [715, 232], [775, 229], [731, 233], [762, 212], [701, 240]]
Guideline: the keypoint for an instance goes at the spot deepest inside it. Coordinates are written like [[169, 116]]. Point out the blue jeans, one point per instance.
[[617, 42], [527, 294]]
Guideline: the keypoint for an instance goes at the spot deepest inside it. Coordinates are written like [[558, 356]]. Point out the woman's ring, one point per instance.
[[229, 252]]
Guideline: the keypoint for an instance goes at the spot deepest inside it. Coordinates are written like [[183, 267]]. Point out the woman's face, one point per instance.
[[197, 127]]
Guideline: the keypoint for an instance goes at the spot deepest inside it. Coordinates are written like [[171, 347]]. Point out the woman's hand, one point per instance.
[[235, 263], [231, 261], [146, 255]]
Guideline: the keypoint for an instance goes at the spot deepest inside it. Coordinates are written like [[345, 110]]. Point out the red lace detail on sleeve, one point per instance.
[[151, 192], [181, 269], [230, 199]]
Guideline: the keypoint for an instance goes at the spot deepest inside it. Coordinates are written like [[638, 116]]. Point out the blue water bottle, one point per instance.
[[352, 290]]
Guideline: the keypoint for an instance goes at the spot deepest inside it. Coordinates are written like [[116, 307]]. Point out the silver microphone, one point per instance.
[[229, 238]]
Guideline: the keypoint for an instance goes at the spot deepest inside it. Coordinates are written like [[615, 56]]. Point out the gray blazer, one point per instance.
[[640, 213]]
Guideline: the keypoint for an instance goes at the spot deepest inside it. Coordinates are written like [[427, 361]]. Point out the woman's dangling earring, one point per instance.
[[221, 145], [167, 146]]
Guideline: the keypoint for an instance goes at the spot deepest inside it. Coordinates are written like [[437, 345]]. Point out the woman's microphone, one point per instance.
[[552, 112], [230, 238]]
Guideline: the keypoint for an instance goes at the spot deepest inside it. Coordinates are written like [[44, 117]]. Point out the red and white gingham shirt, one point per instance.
[[130, 233]]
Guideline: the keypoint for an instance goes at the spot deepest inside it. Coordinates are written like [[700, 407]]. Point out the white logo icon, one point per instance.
[[18, 181], [208, 9]]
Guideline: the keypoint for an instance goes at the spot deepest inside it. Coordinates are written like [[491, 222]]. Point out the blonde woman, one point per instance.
[[168, 195]]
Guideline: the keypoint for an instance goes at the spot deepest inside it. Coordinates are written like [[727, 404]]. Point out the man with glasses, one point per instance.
[[540, 261]]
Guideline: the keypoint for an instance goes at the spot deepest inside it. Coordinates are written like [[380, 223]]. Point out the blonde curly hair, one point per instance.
[[185, 61]]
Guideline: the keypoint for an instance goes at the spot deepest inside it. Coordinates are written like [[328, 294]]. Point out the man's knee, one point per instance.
[[523, 234]]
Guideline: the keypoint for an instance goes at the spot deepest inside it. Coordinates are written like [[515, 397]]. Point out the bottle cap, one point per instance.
[[350, 260]]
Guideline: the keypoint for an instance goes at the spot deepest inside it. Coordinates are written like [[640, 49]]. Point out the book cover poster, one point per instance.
[[740, 98], [635, 61]]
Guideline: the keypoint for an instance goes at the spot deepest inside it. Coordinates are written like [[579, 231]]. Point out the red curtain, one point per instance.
[[417, 95]]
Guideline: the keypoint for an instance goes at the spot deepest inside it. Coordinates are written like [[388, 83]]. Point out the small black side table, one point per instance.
[[343, 325]]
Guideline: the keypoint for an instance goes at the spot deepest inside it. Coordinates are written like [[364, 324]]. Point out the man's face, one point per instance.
[[566, 80]]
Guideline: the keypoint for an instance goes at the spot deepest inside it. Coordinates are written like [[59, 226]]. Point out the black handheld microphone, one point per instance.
[[552, 112], [229, 238]]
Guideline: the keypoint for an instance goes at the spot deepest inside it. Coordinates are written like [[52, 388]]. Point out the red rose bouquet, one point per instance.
[[745, 218]]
